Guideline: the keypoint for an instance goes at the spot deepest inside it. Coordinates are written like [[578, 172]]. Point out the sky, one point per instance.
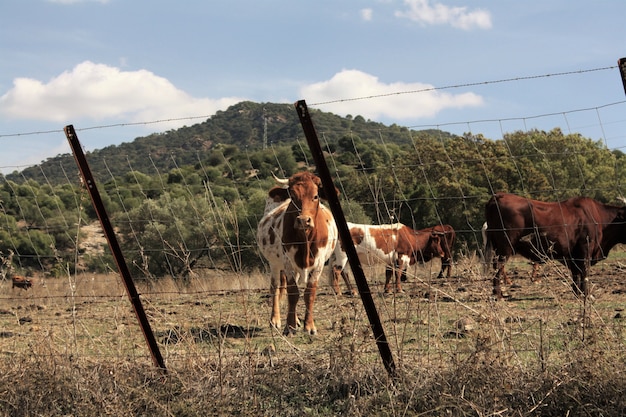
[[142, 67]]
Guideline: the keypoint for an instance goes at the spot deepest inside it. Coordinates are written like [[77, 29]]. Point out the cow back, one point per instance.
[[578, 227]]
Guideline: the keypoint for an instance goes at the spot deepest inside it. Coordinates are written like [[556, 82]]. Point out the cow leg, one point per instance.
[[534, 277], [497, 287], [349, 286], [388, 274], [399, 273], [500, 275], [293, 295], [277, 289], [501, 271], [336, 272], [403, 278], [283, 286], [445, 266], [579, 276], [310, 294]]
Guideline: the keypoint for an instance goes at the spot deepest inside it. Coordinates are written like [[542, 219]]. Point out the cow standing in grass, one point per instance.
[[395, 245], [578, 232], [296, 237], [21, 282]]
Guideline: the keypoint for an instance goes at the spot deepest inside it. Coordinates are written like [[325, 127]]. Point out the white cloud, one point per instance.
[[382, 100], [459, 17], [367, 14], [98, 92]]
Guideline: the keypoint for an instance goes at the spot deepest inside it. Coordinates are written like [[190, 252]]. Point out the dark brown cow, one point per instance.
[[296, 237], [395, 245], [578, 232], [448, 237], [21, 282]]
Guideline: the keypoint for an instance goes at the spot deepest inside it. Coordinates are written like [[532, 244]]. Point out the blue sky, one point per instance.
[[106, 62]]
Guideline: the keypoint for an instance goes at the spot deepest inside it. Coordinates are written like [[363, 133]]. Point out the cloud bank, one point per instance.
[[397, 101], [99, 92]]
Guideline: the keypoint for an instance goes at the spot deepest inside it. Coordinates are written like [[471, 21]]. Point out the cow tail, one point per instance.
[[487, 250]]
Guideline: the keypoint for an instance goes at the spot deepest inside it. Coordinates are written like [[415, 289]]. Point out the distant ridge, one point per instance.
[[247, 125]]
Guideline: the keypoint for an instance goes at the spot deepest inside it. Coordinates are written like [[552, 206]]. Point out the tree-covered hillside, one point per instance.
[[191, 198]]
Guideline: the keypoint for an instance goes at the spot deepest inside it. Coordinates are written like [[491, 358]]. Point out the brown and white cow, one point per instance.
[[395, 245], [296, 237], [578, 232]]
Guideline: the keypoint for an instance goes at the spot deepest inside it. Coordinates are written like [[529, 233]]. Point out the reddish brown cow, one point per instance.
[[578, 232], [448, 237], [21, 282], [395, 245], [296, 237]]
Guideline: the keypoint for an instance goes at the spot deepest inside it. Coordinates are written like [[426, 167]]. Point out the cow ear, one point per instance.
[[279, 194]]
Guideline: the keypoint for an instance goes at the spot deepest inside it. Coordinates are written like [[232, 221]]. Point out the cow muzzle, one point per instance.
[[304, 222]]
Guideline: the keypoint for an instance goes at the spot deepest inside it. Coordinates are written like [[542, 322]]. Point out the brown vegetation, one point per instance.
[[72, 347]]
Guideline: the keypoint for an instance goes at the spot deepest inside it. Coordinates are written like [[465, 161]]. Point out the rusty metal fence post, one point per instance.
[[96, 200], [344, 235]]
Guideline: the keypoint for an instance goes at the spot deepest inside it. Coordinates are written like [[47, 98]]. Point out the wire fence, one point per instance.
[[212, 300]]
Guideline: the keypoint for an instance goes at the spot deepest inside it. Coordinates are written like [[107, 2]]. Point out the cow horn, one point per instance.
[[436, 232], [281, 181]]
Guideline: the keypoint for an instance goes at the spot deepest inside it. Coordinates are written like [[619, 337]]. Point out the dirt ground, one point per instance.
[[72, 346]]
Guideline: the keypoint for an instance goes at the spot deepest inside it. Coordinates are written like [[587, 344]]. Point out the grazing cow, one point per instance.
[[395, 245], [296, 237], [578, 232], [21, 282], [448, 237]]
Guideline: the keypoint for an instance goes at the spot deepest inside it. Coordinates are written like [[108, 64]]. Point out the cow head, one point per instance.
[[305, 191], [434, 245]]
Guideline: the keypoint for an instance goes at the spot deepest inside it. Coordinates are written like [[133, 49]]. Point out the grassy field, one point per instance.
[[73, 347]]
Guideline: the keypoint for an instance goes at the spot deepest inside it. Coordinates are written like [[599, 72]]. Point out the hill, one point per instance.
[[247, 125]]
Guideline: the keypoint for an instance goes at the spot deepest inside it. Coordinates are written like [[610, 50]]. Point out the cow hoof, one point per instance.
[[289, 331]]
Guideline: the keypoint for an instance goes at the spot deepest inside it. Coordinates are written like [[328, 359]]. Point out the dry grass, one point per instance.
[[73, 347]]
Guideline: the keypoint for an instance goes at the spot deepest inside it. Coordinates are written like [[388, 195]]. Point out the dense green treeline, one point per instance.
[[195, 202]]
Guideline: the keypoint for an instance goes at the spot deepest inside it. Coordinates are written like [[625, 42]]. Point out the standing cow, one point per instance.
[[296, 237], [448, 237], [395, 245], [578, 232], [19, 281]]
